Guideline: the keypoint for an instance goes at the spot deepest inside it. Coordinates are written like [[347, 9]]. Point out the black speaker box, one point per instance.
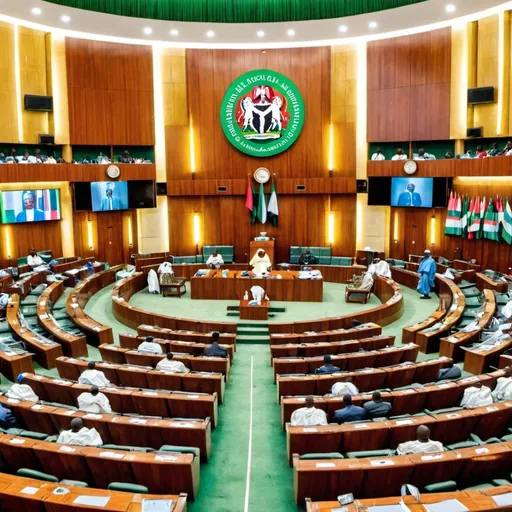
[[362, 187], [38, 103], [480, 95], [161, 189], [46, 138], [475, 132]]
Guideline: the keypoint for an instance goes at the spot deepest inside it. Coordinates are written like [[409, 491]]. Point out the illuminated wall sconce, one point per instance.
[[8, 243], [192, 148], [433, 230], [331, 149], [395, 228], [197, 232], [330, 229], [130, 234], [89, 235]]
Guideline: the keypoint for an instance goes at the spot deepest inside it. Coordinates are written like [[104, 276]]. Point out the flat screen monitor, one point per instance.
[[19, 206], [141, 194], [109, 196], [82, 199], [412, 192]]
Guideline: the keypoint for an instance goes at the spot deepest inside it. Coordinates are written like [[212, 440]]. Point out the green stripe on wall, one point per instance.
[[236, 11]]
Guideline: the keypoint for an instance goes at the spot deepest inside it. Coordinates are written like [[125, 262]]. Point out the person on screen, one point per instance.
[[30, 213], [427, 271], [109, 202], [399, 155], [409, 198]]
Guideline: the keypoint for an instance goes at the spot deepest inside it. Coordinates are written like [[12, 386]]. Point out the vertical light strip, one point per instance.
[[89, 235], [395, 227], [331, 147], [158, 99], [330, 228], [17, 79], [8, 242], [359, 218], [361, 110], [164, 222], [197, 233], [192, 147], [130, 234], [501, 71], [433, 231], [459, 81]]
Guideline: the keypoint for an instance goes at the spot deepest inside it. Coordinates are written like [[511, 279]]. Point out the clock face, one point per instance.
[[262, 175], [410, 167], [113, 172]]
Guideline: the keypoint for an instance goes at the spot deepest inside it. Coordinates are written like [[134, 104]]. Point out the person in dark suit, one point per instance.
[[215, 350], [7, 417], [327, 366], [30, 213], [109, 202], [449, 373], [349, 413], [377, 408], [409, 198]]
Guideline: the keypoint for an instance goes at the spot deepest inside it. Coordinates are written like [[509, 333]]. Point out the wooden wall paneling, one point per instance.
[[110, 237], [418, 62], [9, 117], [402, 56], [80, 231], [181, 224], [345, 220], [438, 56], [40, 236]]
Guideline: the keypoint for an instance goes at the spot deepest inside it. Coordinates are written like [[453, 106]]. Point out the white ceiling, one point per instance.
[[415, 18]]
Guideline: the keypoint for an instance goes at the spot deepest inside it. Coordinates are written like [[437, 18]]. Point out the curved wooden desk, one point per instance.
[[388, 356], [388, 292], [72, 344], [133, 316], [45, 499], [226, 338], [46, 351], [23, 286], [114, 428], [126, 400], [477, 360], [485, 282]]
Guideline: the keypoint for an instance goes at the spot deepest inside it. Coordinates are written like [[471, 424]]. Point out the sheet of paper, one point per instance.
[[93, 501], [399, 507], [325, 465], [446, 506], [137, 421], [503, 500], [29, 490], [111, 455], [157, 505], [382, 462], [310, 429]]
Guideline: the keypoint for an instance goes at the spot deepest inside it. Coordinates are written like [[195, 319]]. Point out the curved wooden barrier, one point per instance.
[[72, 344], [477, 360]]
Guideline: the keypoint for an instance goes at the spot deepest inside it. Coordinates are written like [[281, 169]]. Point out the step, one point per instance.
[[254, 340], [250, 324], [254, 330]]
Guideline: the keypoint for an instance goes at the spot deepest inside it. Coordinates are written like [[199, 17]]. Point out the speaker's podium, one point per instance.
[[267, 246]]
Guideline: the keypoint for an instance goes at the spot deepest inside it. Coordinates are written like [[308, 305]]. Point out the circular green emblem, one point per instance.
[[262, 113]]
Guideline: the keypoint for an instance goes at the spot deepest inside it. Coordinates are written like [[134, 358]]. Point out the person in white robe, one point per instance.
[[165, 272], [153, 284], [94, 402], [503, 389], [309, 415], [80, 435], [399, 155], [379, 267], [169, 365], [21, 391], [35, 262], [343, 388], [507, 310], [260, 262], [94, 377], [150, 346], [378, 155], [258, 294], [423, 443], [476, 396], [215, 260]]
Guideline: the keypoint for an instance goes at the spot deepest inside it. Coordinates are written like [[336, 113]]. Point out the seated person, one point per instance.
[[34, 260], [423, 155], [25, 159], [422, 444], [153, 284], [349, 413], [215, 350], [126, 158], [103, 159], [344, 387], [327, 367], [2, 157], [80, 435], [168, 365], [148, 345], [503, 389], [306, 258], [215, 260], [50, 159], [94, 402], [506, 149], [399, 155], [480, 152], [94, 377], [166, 272], [476, 396], [377, 408], [7, 416], [378, 155], [452, 371], [309, 415], [379, 267], [39, 158], [260, 262], [13, 156], [21, 391], [494, 150]]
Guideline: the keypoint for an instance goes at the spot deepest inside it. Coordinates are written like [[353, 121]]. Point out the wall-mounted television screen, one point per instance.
[[412, 192], [82, 199], [18, 206], [142, 194], [109, 196]]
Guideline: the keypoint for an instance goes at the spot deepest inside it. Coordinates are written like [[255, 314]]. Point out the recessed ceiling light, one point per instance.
[[210, 33], [450, 8], [148, 31], [36, 11], [174, 32], [65, 18], [260, 33], [343, 28], [291, 32], [373, 24]]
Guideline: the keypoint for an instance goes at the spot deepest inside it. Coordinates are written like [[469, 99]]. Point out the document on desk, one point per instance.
[[399, 507], [503, 500], [157, 505], [446, 506], [93, 501]]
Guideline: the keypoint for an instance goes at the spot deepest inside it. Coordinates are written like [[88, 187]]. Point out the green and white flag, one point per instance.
[[506, 233], [490, 227], [262, 206], [273, 210]]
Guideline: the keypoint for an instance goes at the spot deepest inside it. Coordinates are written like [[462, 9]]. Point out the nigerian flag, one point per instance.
[[490, 228], [453, 220], [262, 206], [506, 224], [273, 210], [464, 218]]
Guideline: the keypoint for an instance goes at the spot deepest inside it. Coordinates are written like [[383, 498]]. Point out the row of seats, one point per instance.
[[322, 254]]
